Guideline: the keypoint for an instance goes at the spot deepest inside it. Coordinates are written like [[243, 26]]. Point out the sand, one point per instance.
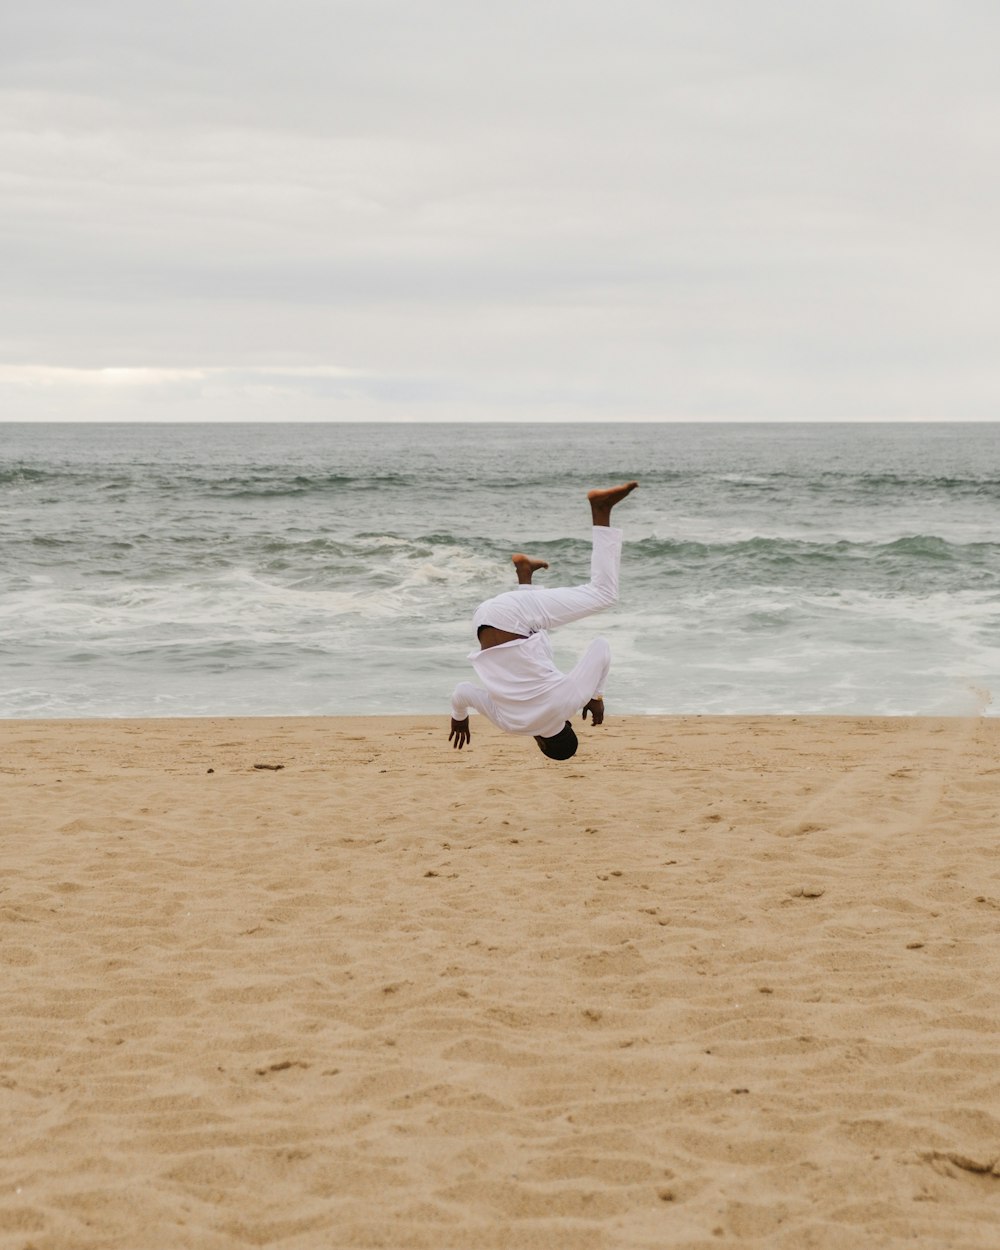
[[714, 982]]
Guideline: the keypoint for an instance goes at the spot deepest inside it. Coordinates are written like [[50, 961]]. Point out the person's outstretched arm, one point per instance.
[[467, 695]]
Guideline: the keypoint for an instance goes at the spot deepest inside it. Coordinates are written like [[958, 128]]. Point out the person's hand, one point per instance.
[[596, 709], [460, 733]]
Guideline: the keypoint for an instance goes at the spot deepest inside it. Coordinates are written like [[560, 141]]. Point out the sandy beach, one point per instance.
[[713, 982]]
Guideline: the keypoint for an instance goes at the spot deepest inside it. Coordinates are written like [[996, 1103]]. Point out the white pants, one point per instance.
[[541, 608], [531, 608]]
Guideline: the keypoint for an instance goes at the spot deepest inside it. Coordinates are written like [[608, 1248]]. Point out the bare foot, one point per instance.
[[602, 501], [525, 566]]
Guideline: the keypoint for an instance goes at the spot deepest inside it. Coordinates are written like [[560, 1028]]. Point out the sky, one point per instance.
[[392, 210]]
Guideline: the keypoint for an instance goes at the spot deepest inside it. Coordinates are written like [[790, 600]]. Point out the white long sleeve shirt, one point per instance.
[[525, 692]]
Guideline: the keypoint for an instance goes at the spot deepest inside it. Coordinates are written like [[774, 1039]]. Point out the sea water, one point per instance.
[[333, 569]]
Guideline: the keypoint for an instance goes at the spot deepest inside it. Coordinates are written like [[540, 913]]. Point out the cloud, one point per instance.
[[53, 392], [56, 375], [735, 211]]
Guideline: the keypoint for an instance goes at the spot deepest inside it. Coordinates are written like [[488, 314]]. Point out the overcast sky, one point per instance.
[[459, 210]]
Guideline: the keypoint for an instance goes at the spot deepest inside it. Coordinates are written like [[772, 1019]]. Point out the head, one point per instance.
[[561, 746]]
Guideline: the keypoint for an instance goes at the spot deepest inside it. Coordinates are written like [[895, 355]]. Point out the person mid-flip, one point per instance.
[[524, 691]]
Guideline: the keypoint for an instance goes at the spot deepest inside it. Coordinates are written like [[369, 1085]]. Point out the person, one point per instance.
[[522, 691]]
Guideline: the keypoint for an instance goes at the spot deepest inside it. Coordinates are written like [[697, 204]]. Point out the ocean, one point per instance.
[[190, 570]]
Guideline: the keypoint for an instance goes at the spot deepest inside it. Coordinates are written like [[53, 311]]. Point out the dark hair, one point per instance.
[[561, 746]]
